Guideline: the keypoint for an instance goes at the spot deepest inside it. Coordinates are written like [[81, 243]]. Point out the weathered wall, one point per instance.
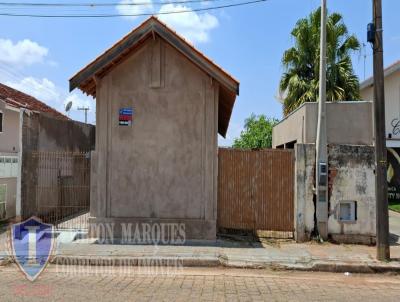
[[41, 132], [346, 122], [9, 138], [163, 167], [351, 177]]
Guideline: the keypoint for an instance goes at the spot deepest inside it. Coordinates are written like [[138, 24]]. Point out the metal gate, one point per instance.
[[256, 190], [56, 188]]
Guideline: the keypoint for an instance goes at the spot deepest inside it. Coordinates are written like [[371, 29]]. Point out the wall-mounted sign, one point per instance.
[[125, 116], [393, 174]]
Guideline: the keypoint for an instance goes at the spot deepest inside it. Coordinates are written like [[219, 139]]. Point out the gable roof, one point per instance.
[[229, 86], [387, 72], [18, 99]]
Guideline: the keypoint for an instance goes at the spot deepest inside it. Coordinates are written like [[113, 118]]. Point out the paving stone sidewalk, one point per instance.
[[197, 284]]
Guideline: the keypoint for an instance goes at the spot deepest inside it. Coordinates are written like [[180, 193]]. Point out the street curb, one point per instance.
[[223, 261]]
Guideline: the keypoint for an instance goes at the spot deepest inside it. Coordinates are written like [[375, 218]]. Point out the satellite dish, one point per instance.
[[68, 106]]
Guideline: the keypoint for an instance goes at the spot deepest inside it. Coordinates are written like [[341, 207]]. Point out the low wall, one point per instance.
[[42, 133], [351, 178]]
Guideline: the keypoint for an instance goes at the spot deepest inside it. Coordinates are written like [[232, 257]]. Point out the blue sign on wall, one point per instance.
[[125, 116]]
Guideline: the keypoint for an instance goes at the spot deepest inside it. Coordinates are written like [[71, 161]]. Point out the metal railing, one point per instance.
[[58, 188]]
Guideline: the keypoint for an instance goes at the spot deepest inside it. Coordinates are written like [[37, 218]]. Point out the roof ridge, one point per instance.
[[142, 31]]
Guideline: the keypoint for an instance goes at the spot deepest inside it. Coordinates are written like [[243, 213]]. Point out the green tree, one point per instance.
[[257, 133], [300, 81]]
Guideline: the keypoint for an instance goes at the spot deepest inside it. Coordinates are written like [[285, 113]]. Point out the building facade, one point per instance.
[[160, 106], [13, 104], [392, 120]]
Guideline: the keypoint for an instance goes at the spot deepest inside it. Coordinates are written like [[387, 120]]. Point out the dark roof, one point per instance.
[[388, 71], [229, 86], [18, 99]]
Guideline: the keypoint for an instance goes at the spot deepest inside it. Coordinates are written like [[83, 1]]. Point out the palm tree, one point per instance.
[[300, 81]]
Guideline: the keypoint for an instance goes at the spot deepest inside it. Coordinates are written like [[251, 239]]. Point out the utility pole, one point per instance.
[[382, 219], [321, 169], [86, 109]]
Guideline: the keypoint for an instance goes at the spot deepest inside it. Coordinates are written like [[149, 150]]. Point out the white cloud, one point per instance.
[[136, 7], [21, 53], [42, 89], [193, 26], [56, 97]]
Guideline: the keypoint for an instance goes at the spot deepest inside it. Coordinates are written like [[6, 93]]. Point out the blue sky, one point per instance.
[[40, 55]]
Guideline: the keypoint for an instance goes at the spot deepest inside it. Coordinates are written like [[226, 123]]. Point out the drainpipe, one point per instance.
[[18, 206]]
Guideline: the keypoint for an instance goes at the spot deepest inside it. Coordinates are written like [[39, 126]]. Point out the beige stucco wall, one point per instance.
[[347, 123], [9, 146], [392, 103], [163, 168], [9, 138]]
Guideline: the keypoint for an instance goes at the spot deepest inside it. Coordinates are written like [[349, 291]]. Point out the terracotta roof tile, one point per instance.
[[19, 99]]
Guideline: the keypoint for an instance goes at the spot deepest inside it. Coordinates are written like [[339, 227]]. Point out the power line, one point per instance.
[[132, 15], [88, 4]]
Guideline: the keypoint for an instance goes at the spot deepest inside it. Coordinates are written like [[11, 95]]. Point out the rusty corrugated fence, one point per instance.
[[256, 189]]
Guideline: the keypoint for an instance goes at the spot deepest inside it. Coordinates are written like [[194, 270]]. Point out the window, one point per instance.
[[1, 121]]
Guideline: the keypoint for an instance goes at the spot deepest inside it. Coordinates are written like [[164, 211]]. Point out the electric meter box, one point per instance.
[[323, 174]]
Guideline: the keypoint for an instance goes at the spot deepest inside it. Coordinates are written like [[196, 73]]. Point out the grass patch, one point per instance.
[[394, 206]]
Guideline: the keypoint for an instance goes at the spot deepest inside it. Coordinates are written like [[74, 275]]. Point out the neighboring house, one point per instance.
[[160, 106], [392, 119], [12, 105]]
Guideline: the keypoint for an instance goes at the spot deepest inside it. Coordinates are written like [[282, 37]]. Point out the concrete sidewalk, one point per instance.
[[286, 255], [227, 252]]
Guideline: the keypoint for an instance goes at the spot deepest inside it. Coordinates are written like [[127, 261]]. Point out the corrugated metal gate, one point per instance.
[[256, 190]]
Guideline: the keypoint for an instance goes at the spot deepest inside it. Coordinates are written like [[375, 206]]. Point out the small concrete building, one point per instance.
[[351, 203], [160, 106], [347, 123]]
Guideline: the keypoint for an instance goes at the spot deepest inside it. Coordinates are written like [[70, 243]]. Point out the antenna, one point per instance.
[[86, 109]]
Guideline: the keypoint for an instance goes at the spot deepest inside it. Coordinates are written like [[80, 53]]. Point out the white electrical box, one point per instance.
[[347, 211]]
